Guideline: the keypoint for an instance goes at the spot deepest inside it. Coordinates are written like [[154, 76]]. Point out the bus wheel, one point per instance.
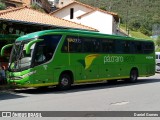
[[64, 82], [133, 75]]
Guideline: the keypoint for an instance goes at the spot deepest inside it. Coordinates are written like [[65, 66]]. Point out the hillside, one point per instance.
[[136, 34], [140, 15]]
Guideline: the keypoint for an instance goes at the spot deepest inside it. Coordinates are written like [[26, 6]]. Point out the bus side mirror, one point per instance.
[[4, 47], [28, 47]]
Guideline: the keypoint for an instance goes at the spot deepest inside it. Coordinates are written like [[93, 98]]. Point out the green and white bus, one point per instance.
[[63, 57]]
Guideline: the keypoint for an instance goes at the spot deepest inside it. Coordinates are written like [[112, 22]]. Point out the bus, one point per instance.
[[63, 57], [157, 61]]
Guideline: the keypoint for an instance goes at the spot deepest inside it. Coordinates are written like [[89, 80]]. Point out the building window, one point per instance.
[[71, 13], [57, 1]]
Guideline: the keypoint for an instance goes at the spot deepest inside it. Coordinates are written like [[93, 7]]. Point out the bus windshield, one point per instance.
[[19, 60], [41, 52]]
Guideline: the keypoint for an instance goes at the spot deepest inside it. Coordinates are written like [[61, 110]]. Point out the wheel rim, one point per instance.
[[64, 81], [134, 76]]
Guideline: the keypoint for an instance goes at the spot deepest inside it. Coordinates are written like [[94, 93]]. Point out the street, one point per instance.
[[141, 96]]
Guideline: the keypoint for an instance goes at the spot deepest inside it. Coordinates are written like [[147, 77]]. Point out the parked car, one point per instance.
[[157, 61], [157, 67]]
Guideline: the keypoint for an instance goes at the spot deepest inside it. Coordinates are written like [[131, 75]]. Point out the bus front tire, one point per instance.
[[64, 82], [133, 76]]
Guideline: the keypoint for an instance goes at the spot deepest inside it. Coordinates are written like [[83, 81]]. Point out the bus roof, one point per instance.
[[44, 32]]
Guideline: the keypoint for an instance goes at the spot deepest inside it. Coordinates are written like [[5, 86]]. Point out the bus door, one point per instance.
[[43, 56], [41, 66]]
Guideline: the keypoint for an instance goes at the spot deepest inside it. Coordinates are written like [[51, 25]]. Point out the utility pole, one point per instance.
[[110, 6], [127, 11]]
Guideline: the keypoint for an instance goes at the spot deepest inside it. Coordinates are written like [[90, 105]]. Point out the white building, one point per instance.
[[61, 3], [103, 21]]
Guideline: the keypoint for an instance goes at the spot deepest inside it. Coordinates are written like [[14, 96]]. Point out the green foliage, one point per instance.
[[2, 5], [136, 34], [140, 15], [134, 24], [158, 41], [36, 7], [144, 30]]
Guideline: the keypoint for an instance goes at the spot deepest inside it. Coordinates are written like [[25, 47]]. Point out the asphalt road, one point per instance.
[[141, 96]]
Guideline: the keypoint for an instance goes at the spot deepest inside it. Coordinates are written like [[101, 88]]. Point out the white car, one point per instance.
[[157, 61], [157, 68]]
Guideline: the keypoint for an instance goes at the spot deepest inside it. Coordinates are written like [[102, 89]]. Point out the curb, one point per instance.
[[4, 88]]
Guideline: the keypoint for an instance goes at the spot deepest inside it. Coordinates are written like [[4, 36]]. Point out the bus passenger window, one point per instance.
[[46, 48], [40, 55], [72, 44], [132, 47], [148, 47], [126, 47], [107, 46], [139, 47], [87, 45]]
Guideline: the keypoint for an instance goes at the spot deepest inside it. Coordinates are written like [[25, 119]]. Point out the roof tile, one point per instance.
[[26, 14]]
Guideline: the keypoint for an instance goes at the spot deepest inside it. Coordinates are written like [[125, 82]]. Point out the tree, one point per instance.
[[36, 7], [134, 24], [144, 30], [157, 44], [2, 5], [141, 15], [158, 41]]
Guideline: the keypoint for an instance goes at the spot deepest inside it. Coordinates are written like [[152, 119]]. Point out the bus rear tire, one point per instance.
[[133, 76], [64, 82]]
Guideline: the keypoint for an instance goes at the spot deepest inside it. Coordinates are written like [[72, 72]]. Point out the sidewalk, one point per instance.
[[4, 88]]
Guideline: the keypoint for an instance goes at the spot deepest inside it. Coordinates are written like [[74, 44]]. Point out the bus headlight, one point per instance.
[[22, 77]]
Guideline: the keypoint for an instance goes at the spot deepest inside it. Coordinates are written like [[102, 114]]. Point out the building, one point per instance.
[[44, 4], [60, 3], [13, 3], [25, 20], [16, 22], [103, 21]]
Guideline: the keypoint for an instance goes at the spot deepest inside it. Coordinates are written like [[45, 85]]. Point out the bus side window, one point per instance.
[[105, 46], [64, 47], [45, 49], [126, 47], [132, 47], [120, 45], [148, 47], [139, 47], [91, 45], [111, 47], [40, 54], [72, 44], [108, 46], [96, 45], [87, 45]]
